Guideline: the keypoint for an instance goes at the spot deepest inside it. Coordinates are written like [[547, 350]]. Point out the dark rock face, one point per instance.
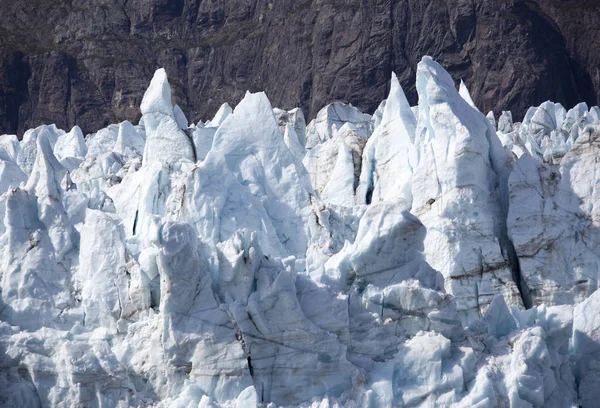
[[88, 62]]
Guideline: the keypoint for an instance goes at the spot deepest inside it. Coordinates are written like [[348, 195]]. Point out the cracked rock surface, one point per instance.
[[88, 63]]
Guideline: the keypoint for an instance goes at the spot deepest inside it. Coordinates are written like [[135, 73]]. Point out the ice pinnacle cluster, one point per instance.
[[423, 256]]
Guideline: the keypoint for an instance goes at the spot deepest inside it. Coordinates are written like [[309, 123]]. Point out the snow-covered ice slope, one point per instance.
[[418, 257]]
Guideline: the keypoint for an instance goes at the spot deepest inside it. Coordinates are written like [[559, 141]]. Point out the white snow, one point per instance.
[[419, 257]]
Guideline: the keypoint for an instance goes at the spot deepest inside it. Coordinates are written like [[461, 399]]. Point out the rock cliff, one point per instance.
[[88, 63]]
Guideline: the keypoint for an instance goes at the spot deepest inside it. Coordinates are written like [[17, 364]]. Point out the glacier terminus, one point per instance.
[[424, 256]]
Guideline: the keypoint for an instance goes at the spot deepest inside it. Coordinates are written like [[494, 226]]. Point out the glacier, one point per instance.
[[424, 256]]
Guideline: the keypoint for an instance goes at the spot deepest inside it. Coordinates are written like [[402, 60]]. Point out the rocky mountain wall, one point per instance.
[[88, 62]]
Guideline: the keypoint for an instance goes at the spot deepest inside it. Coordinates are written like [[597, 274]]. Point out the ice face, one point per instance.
[[180, 117], [457, 179], [553, 223], [418, 257], [334, 116], [294, 118], [254, 151], [322, 160]]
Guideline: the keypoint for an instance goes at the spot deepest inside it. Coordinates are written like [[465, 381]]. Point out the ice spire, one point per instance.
[[340, 189], [456, 169], [70, 144], [397, 110], [290, 137], [222, 114], [129, 141], [180, 118], [386, 170], [165, 142], [465, 94], [47, 173], [46, 182]]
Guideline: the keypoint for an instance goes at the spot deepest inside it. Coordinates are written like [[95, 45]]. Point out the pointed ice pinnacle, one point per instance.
[[165, 141], [465, 94], [222, 114], [157, 98], [180, 118], [340, 189], [460, 159], [129, 142], [47, 173], [27, 152], [398, 109], [9, 148], [290, 137], [70, 144], [46, 182], [251, 144], [386, 169], [492, 119]]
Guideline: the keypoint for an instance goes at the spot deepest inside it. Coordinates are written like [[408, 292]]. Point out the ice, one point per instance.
[[553, 223], [27, 152], [9, 148], [165, 141], [288, 355], [255, 153], [586, 346], [419, 257], [548, 132], [129, 142], [451, 195], [102, 141], [492, 119], [335, 116], [11, 176], [202, 138], [224, 111], [113, 287], [294, 118], [386, 164], [290, 138], [465, 94], [37, 240], [180, 117], [71, 144], [340, 188], [321, 160], [378, 114]]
